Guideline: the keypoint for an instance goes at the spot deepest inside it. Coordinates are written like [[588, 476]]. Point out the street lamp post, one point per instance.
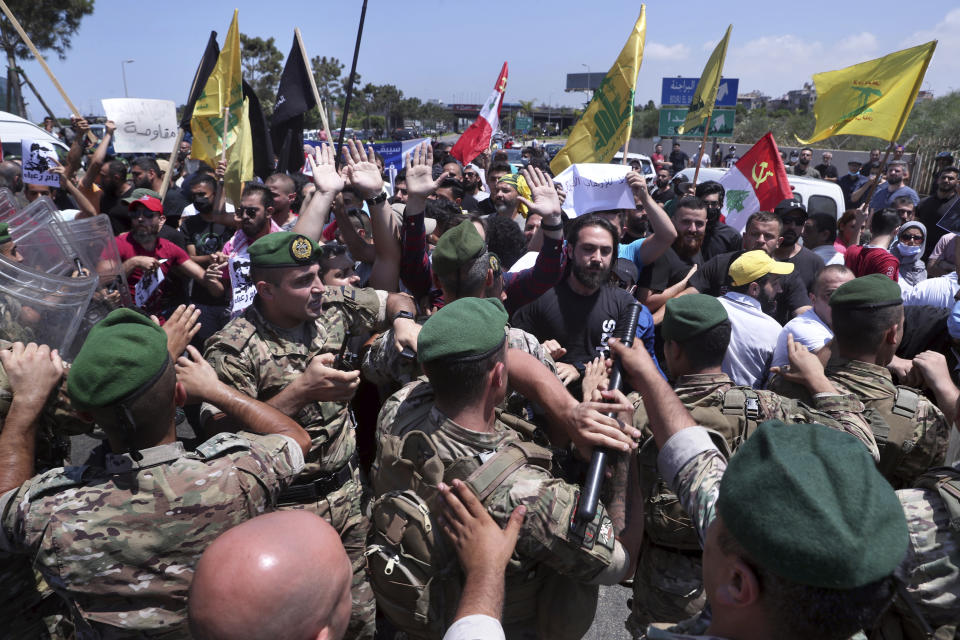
[[123, 72], [589, 88]]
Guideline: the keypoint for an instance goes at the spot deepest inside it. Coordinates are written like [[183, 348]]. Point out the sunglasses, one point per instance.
[[911, 237], [797, 222], [146, 214], [247, 212]]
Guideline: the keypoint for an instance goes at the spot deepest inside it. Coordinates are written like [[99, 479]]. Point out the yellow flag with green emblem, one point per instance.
[[223, 91], [873, 98], [701, 106], [608, 120]]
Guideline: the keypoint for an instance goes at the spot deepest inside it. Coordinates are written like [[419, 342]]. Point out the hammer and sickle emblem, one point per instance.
[[760, 179]]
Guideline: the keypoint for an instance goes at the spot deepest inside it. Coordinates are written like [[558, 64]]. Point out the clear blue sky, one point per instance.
[[452, 49]]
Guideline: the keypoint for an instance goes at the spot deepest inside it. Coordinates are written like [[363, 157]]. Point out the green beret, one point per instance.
[[457, 247], [283, 249], [807, 503], [124, 353], [691, 315], [867, 292], [465, 329], [5, 233]]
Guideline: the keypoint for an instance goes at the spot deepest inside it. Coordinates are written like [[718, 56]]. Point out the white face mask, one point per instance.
[[909, 250]]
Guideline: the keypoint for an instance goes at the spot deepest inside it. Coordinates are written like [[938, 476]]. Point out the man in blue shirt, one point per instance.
[[851, 182], [884, 196]]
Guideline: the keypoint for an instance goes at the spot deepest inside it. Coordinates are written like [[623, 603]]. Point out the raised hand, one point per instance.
[[324, 168], [180, 329], [546, 202], [361, 171], [33, 370], [419, 165]]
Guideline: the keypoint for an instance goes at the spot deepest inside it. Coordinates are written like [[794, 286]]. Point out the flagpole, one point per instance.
[[226, 128], [313, 84], [353, 74], [43, 63], [173, 156], [703, 146], [626, 148]]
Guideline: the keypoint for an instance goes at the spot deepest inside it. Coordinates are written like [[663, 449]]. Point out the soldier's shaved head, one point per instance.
[[280, 575]]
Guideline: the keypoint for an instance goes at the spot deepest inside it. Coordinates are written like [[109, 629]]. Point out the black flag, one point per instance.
[[262, 149], [294, 98], [207, 64]]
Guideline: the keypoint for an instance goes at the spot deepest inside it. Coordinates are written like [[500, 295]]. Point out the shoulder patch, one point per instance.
[[222, 443], [234, 337], [57, 480]]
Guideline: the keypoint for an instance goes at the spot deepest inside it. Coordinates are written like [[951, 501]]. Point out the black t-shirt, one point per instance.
[[721, 238], [581, 324], [173, 205], [469, 204], [120, 213], [486, 207], [930, 210], [713, 279], [827, 170], [207, 238], [679, 160], [806, 266], [666, 271]]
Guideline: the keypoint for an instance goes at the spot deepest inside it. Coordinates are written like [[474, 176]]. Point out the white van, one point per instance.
[[13, 129], [646, 165], [818, 196]]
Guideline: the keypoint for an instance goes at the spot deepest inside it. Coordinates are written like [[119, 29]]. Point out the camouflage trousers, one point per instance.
[[668, 587], [343, 511]]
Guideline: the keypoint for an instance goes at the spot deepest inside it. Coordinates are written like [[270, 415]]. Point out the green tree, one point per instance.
[[526, 106], [326, 73], [262, 65], [50, 24]]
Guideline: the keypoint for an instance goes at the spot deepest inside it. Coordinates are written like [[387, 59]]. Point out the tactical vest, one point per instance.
[[893, 421], [905, 621], [730, 423], [413, 569]]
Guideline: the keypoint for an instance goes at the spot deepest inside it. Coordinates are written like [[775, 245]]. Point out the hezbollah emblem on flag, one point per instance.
[[301, 249]]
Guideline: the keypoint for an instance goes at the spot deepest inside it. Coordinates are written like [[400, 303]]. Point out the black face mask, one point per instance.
[[202, 204], [713, 214]]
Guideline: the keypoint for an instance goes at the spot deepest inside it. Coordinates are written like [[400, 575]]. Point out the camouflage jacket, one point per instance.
[[260, 360], [119, 542], [842, 412], [870, 382], [546, 538]]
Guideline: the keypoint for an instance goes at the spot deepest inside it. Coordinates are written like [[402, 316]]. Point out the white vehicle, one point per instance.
[[646, 164], [13, 129], [818, 196]]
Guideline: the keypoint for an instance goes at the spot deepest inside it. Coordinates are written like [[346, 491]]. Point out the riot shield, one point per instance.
[[39, 235]]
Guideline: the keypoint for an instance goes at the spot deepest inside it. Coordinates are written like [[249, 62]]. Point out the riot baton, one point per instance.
[[590, 495]]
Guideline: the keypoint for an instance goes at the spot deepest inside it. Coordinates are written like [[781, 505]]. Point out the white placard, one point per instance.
[[243, 288], [38, 158], [145, 287], [595, 187], [143, 126]]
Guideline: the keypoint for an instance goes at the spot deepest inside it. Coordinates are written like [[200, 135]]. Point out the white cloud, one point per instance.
[[658, 51], [943, 74]]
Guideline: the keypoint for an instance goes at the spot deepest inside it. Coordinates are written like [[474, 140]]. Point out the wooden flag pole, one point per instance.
[[883, 163], [43, 63], [626, 148], [173, 156], [703, 147], [226, 128], [313, 85]]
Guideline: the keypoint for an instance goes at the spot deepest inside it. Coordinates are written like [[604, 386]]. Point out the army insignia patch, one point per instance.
[[605, 535], [301, 249]]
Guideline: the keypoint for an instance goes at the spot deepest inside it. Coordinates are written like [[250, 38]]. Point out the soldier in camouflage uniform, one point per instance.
[[784, 533], [282, 350], [463, 268], [118, 541], [551, 582], [911, 432], [667, 586]]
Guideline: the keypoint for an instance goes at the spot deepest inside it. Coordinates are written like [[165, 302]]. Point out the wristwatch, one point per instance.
[[552, 227], [402, 314], [372, 202]]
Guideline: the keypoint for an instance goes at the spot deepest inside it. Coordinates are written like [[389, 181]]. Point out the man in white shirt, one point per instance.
[[755, 283], [813, 329]]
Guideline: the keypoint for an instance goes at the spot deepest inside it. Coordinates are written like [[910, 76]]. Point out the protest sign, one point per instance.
[[595, 187], [38, 158], [243, 288], [143, 126], [143, 290]]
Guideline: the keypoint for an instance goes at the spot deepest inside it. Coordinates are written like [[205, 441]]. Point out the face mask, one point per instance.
[[202, 204], [909, 250], [713, 213]]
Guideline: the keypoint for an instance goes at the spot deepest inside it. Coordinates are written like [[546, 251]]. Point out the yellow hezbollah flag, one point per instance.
[[223, 92], [608, 120], [701, 107], [873, 98]]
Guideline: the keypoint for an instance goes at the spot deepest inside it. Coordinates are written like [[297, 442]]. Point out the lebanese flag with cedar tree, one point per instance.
[[476, 139], [757, 182]]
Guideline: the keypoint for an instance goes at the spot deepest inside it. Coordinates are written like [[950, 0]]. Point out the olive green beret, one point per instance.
[[4, 233], [867, 292], [807, 503], [465, 329], [457, 247], [691, 315], [283, 249], [123, 354]]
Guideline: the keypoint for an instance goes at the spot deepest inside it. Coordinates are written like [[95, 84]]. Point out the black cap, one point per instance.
[[626, 270], [788, 206]]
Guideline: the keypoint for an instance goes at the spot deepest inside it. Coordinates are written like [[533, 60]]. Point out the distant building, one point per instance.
[[924, 96], [801, 99], [752, 100]]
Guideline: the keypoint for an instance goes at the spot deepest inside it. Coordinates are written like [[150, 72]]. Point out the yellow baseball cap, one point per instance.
[[753, 265]]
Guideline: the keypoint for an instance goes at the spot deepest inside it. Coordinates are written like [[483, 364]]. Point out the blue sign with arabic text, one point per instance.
[[679, 91]]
